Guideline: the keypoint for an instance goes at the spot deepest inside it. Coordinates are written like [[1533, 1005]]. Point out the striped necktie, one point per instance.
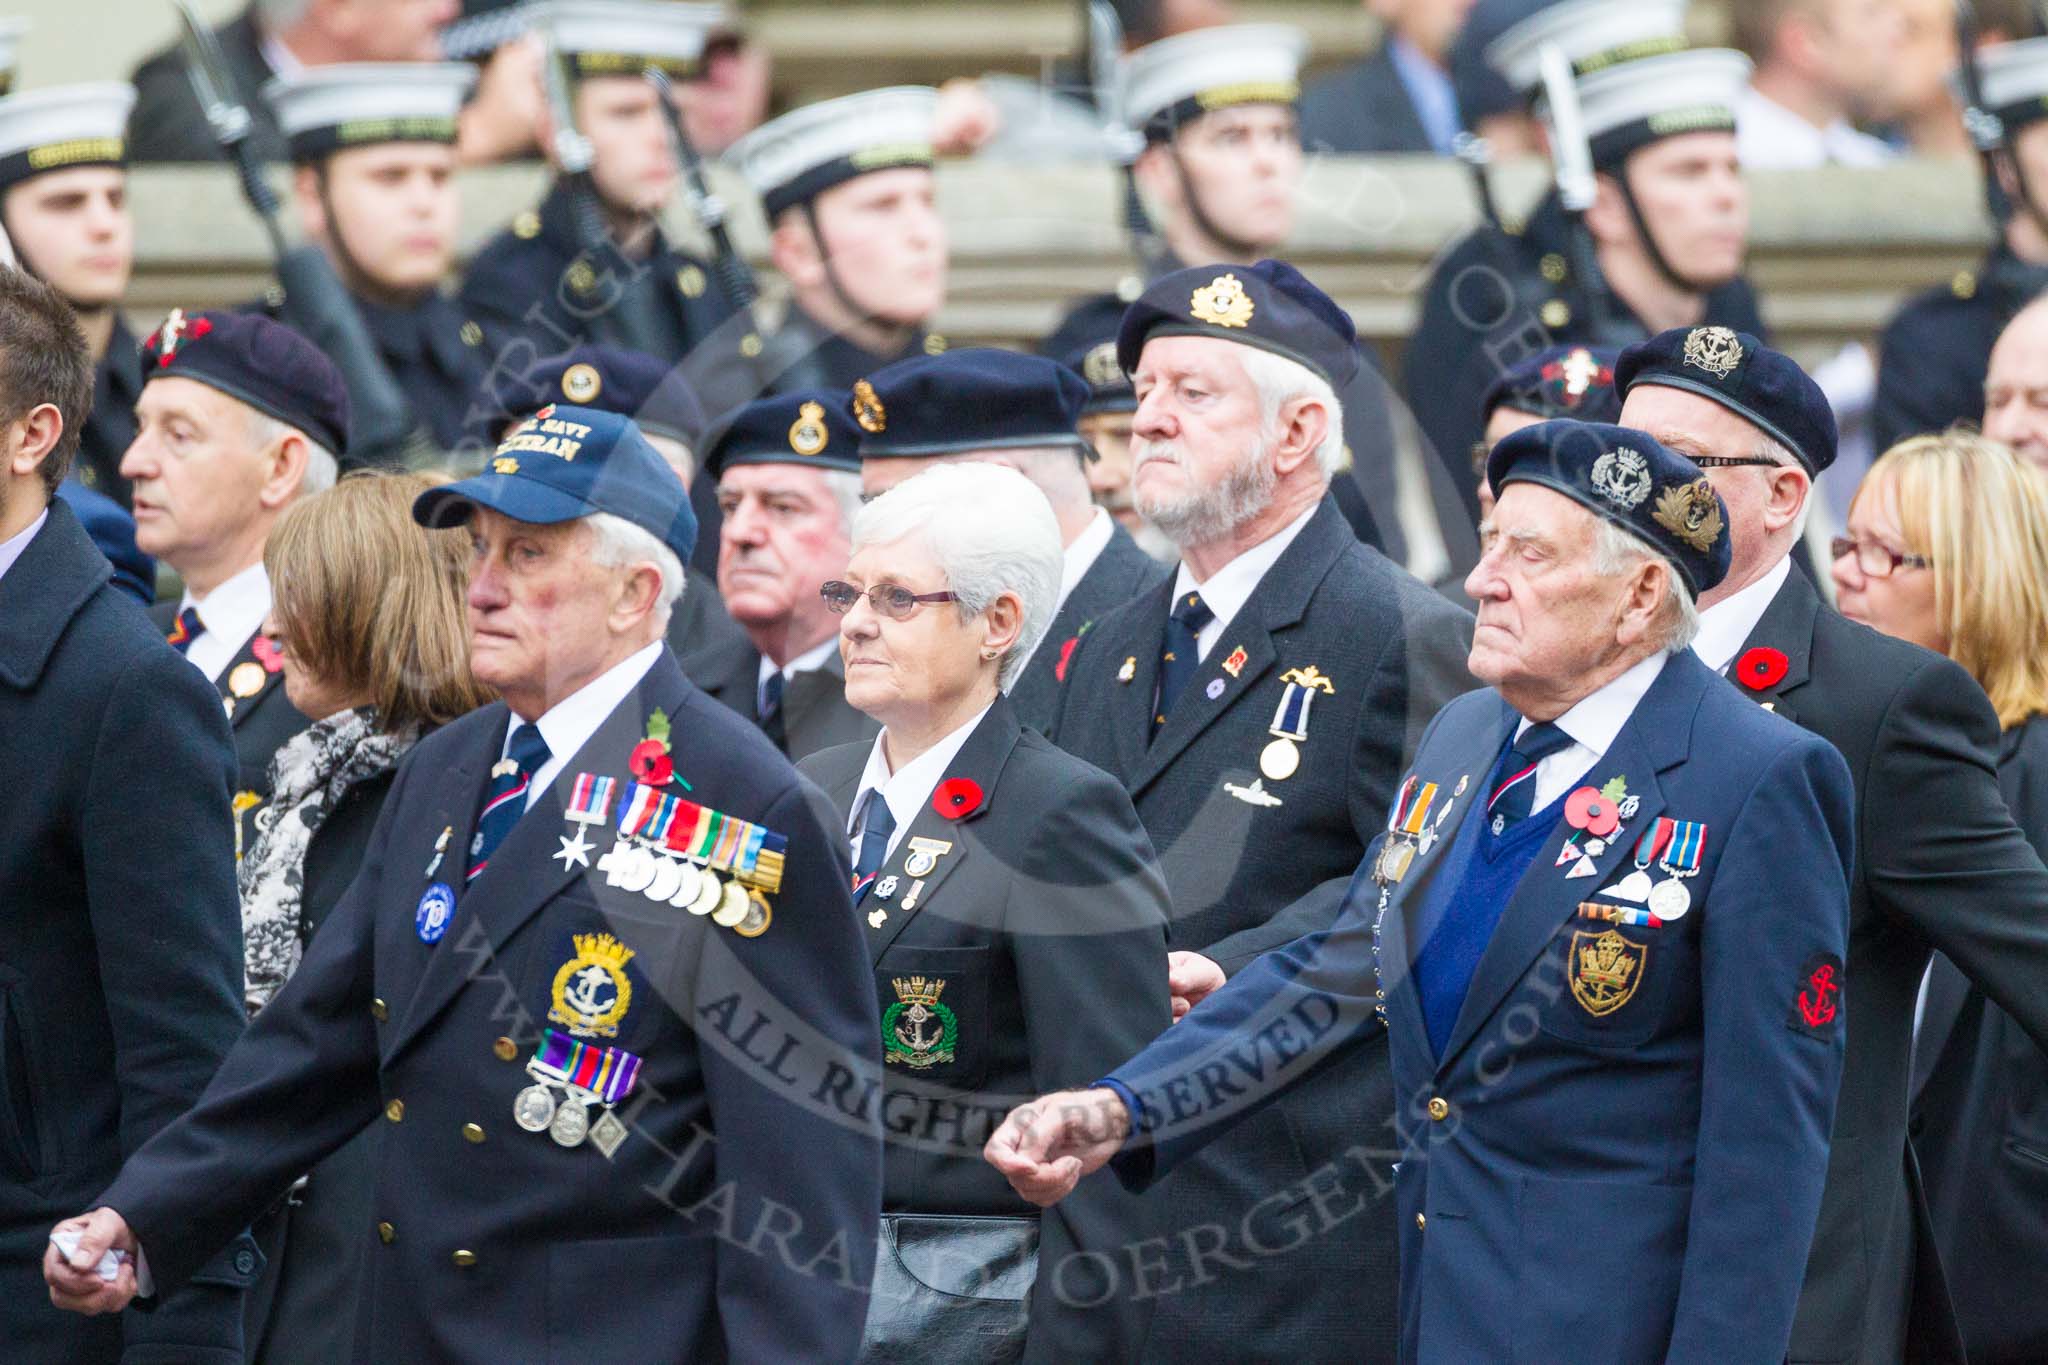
[[1513, 799], [505, 802], [185, 630], [876, 827]]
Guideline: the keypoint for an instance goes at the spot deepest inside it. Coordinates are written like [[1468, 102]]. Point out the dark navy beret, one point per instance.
[[1270, 305], [567, 462], [1629, 478], [973, 399], [1109, 388], [260, 362], [608, 378], [808, 427], [1560, 381], [1759, 385]]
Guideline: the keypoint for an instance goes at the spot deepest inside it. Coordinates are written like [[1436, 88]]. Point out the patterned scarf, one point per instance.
[[308, 776]]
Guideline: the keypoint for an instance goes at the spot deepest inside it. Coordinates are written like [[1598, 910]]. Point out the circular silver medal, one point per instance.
[[571, 1125], [639, 870], [1669, 899], [1279, 760], [732, 906], [709, 893], [687, 886], [668, 874], [534, 1108]]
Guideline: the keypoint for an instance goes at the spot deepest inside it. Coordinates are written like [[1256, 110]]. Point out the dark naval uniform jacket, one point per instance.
[[815, 712], [110, 425], [1619, 1153], [1242, 854], [1936, 351], [536, 293], [261, 716], [1497, 298], [1940, 865], [1044, 920], [120, 937], [1120, 572], [800, 353], [737, 1219]]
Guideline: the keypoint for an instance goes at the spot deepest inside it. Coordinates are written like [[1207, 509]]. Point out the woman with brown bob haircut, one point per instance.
[[369, 625]]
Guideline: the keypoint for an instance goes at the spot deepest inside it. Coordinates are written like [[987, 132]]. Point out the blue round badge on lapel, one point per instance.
[[436, 908]]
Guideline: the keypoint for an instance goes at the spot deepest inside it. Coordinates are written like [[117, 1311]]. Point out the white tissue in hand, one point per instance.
[[110, 1260]]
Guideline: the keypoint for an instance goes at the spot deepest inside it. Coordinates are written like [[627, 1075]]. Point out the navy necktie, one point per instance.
[[876, 827], [185, 630], [1515, 797], [771, 713], [505, 802], [1181, 653]]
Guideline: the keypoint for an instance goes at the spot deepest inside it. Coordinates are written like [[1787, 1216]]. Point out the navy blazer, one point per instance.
[[120, 933], [1581, 1178], [1121, 572], [737, 1220]]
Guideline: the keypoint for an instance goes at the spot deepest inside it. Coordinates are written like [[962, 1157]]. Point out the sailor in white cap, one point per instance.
[[1645, 229], [64, 205], [848, 191], [592, 263], [373, 144]]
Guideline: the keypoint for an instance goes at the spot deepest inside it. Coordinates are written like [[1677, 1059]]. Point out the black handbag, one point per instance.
[[950, 1289]]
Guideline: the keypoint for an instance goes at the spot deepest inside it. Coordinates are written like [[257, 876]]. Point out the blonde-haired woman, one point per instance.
[[1948, 547], [369, 626]]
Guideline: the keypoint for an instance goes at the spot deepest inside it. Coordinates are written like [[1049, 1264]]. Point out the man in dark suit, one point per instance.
[[238, 417], [1258, 708], [787, 471], [1616, 1037], [660, 1192], [1400, 98], [1939, 861], [120, 936], [1020, 411]]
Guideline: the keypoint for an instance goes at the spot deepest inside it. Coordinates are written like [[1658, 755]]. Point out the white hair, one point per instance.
[[990, 530], [322, 469], [844, 486], [1616, 551], [618, 544], [1277, 379]]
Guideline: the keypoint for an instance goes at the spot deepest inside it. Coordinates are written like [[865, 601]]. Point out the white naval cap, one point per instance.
[[1635, 103], [2014, 79], [62, 127], [793, 159], [322, 109], [1591, 35], [625, 37], [1176, 79], [10, 50]]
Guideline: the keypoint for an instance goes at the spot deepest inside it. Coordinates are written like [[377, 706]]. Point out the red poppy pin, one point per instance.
[[1761, 667], [267, 653], [1593, 811], [649, 761], [957, 798], [1059, 670]]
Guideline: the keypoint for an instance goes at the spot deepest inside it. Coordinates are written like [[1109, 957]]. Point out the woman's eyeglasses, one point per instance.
[[1876, 561], [886, 598]]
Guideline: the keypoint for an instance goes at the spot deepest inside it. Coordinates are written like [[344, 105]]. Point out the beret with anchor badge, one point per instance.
[[1270, 306], [1763, 387]]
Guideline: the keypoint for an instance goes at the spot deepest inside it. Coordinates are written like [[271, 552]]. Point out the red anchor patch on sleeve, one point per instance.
[[1817, 1008]]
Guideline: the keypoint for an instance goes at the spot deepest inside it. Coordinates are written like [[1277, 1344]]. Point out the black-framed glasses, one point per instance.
[[886, 598], [1733, 461], [1876, 561]]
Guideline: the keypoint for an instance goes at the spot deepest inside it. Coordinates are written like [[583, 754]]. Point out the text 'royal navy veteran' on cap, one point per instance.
[[1765, 388], [978, 402], [326, 109], [63, 127], [567, 462], [1630, 479], [1270, 305]]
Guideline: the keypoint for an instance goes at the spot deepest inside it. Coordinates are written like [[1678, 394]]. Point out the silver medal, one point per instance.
[[668, 874], [534, 1108], [1634, 887], [571, 1125], [687, 886], [1670, 900], [638, 872], [607, 1133]]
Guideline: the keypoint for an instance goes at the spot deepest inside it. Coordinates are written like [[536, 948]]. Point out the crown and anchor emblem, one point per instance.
[[1717, 350], [1222, 303], [918, 1031], [591, 990]]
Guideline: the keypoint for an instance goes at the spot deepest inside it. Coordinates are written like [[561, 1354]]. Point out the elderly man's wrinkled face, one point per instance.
[[538, 609], [897, 670], [198, 475], [1695, 426], [2016, 389], [784, 534], [1199, 464], [1545, 616]]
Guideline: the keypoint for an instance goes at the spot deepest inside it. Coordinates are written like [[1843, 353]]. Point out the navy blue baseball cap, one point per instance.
[[567, 462], [1630, 479], [1270, 305], [1559, 381], [1763, 387], [808, 427], [257, 361], [973, 399], [607, 378]]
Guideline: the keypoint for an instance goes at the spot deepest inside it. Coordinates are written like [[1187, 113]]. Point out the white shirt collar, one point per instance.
[[1592, 722], [810, 661], [228, 616], [909, 787], [11, 548], [1077, 559], [1230, 587], [1768, 136], [568, 725], [1726, 624]]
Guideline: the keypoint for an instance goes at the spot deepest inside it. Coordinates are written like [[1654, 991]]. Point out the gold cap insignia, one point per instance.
[[581, 383], [1099, 367], [1221, 303], [868, 410], [1713, 349], [808, 434], [1691, 512]]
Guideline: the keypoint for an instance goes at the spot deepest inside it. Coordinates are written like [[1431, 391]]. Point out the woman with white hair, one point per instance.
[[1016, 918]]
